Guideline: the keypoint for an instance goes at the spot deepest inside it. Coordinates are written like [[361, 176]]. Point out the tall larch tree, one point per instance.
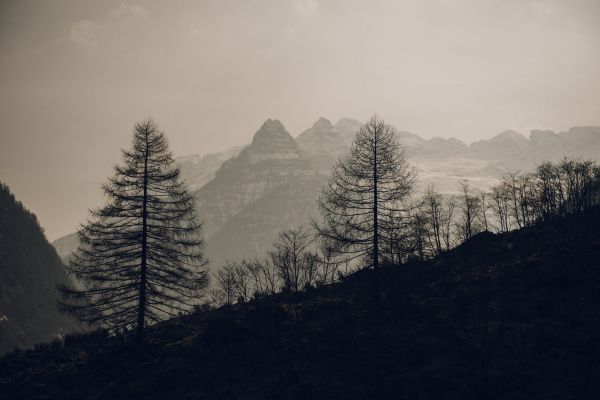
[[363, 200], [140, 258]]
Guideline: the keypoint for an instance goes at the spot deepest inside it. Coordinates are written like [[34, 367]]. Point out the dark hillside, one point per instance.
[[30, 269], [513, 316]]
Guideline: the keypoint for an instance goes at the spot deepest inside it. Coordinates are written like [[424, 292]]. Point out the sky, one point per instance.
[[76, 75]]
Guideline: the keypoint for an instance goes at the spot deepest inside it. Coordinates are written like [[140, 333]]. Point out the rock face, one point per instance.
[[583, 141], [30, 269], [348, 128], [324, 144], [198, 170], [272, 159], [252, 231], [270, 186]]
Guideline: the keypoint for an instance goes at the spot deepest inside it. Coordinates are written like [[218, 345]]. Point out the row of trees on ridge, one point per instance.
[[141, 255], [372, 216]]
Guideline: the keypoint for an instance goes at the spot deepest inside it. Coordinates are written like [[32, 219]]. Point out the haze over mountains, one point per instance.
[[247, 194]]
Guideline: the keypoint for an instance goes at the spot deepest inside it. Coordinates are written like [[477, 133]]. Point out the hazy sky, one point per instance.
[[76, 75]]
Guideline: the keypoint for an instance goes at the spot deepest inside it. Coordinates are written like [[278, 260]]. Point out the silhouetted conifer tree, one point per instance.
[[365, 193], [140, 259]]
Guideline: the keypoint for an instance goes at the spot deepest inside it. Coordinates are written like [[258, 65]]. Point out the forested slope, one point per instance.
[[510, 316], [30, 269]]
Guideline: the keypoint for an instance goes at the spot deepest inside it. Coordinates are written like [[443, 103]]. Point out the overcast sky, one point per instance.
[[76, 75]]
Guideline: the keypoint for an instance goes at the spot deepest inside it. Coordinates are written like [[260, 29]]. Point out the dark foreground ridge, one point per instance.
[[513, 316]]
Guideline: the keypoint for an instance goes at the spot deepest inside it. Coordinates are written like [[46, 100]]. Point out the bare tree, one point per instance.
[[448, 222], [526, 199], [363, 197], [224, 286], [238, 282], [419, 232], [552, 190], [471, 206], [512, 182], [433, 203], [269, 282], [548, 189], [501, 205], [140, 258], [483, 209], [577, 178], [294, 264], [328, 253], [242, 282]]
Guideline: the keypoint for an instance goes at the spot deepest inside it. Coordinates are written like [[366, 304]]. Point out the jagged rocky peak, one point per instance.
[[323, 144], [322, 127], [271, 130], [348, 125], [272, 141], [271, 162]]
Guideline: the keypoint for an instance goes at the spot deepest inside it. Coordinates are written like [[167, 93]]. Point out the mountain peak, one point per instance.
[[271, 129], [272, 125], [322, 124], [321, 128], [348, 125]]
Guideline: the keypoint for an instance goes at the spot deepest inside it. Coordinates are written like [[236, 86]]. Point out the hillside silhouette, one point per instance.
[[503, 316], [30, 269]]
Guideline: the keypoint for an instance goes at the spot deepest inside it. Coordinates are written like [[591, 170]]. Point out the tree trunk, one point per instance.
[[375, 210], [142, 289]]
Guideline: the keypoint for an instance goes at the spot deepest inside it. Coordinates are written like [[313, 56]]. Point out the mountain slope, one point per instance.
[[501, 317], [347, 128], [254, 228], [272, 159], [197, 170], [272, 163], [30, 269], [324, 144]]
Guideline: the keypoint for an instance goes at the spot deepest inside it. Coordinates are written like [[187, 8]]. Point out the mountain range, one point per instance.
[[247, 194]]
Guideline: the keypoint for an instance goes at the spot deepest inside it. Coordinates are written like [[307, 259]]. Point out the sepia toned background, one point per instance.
[[76, 75]]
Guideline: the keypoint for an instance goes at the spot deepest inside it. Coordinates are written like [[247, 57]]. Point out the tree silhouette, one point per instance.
[[470, 203], [140, 259], [294, 264], [364, 195]]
